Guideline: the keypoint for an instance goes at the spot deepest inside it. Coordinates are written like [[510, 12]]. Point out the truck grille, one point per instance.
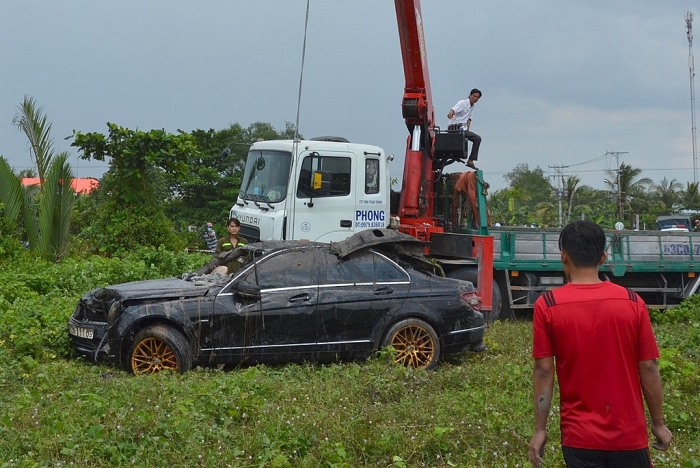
[[251, 233]]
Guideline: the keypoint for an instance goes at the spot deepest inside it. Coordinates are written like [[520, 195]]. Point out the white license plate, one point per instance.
[[81, 332]]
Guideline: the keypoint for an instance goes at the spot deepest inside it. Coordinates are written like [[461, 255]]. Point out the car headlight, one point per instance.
[[113, 312]]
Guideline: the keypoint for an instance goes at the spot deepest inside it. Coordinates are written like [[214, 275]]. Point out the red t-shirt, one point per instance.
[[597, 334]]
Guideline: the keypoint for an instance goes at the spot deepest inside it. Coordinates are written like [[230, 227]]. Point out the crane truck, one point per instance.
[[327, 188]]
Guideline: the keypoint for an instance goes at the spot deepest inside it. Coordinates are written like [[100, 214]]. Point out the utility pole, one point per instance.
[[560, 189], [691, 67], [616, 154]]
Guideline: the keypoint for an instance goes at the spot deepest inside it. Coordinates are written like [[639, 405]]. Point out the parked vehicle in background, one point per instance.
[[293, 301], [678, 223]]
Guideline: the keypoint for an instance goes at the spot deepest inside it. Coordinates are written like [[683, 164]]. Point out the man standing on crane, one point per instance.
[[461, 119]]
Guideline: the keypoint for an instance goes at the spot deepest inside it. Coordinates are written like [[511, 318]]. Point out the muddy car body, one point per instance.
[[292, 301]]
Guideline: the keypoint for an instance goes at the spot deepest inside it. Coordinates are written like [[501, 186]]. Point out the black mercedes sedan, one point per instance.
[[291, 301]]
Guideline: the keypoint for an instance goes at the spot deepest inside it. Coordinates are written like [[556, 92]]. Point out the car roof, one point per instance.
[[376, 238], [358, 241]]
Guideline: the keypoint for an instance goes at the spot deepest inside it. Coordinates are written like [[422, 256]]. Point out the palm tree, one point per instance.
[[690, 197], [667, 192], [626, 177], [46, 214], [572, 186], [32, 121]]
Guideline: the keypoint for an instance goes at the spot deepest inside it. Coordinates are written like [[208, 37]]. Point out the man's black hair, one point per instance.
[[584, 242], [476, 91]]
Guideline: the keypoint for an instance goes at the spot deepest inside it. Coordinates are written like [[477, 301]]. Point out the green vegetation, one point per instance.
[[532, 198], [45, 211], [474, 410]]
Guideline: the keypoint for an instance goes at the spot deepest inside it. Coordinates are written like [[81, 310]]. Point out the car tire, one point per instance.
[[498, 310], [158, 348], [415, 342]]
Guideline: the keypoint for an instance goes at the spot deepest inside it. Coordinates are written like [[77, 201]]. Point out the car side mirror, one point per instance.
[[248, 290]]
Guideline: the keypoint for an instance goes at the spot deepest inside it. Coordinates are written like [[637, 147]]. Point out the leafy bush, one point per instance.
[[38, 297], [117, 230], [10, 246], [686, 312], [36, 326]]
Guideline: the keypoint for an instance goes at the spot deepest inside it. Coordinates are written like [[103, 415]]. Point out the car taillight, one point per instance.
[[471, 299]]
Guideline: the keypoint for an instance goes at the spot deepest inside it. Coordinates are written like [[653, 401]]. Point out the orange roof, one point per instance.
[[78, 185]]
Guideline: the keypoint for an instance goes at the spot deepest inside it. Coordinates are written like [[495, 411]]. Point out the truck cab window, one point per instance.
[[372, 176], [338, 168]]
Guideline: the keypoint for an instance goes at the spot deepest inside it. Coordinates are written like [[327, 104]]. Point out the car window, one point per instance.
[[286, 269], [369, 267], [347, 272]]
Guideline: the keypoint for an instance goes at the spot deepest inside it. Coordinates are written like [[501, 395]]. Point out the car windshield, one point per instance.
[[266, 176]]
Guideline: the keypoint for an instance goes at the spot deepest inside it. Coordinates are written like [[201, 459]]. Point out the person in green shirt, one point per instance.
[[230, 242]]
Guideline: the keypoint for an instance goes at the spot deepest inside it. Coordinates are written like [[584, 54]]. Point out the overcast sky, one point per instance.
[[564, 82]]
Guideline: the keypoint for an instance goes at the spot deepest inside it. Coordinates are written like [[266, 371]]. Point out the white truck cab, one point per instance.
[[322, 189]]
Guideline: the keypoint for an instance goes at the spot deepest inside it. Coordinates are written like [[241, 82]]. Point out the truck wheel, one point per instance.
[[470, 274], [416, 343], [157, 348]]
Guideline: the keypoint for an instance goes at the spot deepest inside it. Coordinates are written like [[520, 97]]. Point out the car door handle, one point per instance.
[[383, 291], [300, 298]]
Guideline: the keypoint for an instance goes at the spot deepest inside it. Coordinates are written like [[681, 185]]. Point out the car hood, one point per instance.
[[159, 289]]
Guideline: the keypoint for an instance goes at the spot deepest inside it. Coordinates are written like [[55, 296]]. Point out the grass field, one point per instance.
[[474, 410]]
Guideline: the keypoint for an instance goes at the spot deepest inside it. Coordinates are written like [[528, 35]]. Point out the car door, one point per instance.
[[358, 295], [280, 322]]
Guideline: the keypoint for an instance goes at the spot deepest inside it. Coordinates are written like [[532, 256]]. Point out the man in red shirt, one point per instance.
[[600, 336]]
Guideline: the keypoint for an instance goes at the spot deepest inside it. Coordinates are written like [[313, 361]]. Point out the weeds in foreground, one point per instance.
[[474, 410]]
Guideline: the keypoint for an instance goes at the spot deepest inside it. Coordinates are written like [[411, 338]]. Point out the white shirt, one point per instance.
[[463, 113]]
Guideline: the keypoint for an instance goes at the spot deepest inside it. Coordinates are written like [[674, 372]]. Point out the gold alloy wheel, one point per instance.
[[414, 346], [153, 355]]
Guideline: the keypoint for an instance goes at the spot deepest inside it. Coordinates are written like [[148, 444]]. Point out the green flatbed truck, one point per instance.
[[663, 267]]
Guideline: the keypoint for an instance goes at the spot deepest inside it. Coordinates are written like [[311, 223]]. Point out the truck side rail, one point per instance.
[[663, 267]]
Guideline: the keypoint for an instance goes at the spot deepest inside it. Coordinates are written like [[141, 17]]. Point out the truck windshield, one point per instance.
[[266, 176]]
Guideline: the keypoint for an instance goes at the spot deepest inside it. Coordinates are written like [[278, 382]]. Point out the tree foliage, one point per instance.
[[690, 197], [532, 182], [529, 198], [133, 156], [132, 194], [214, 173], [32, 121]]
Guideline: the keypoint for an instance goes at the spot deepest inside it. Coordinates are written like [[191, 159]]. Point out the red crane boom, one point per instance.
[[416, 207], [428, 151]]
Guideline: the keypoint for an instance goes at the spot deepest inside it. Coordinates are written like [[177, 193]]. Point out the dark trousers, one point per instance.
[[586, 458], [476, 142]]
